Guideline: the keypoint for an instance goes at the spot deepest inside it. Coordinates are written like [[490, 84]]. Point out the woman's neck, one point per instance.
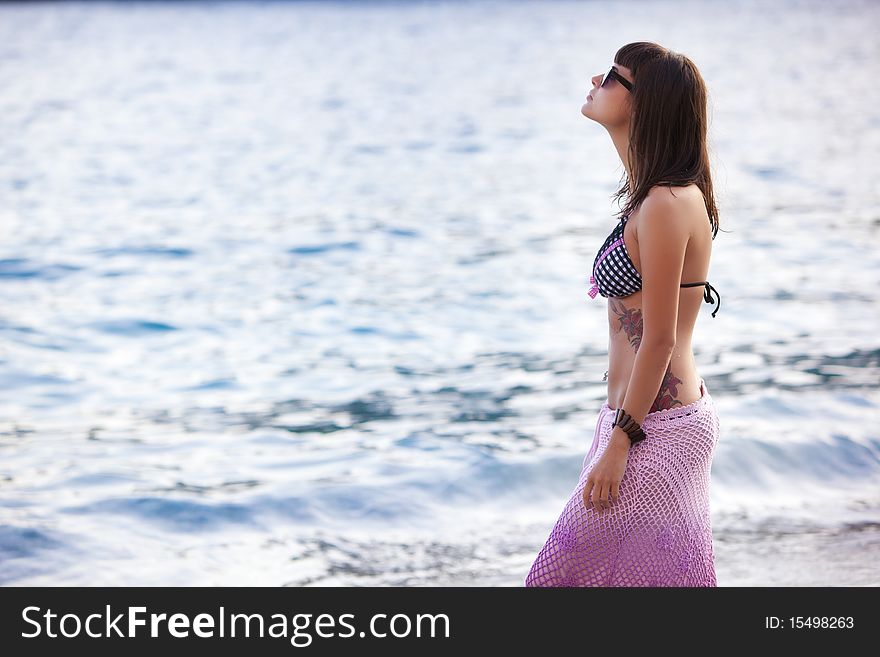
[[620, 137]]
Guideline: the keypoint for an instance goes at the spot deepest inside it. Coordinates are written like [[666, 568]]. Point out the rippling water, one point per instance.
[[295, 293]]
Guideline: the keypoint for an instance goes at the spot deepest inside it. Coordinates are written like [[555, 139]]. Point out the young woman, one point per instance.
[[639, 515]]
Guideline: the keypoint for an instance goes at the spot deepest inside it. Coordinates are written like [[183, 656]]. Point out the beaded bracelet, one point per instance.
[[633, 429]]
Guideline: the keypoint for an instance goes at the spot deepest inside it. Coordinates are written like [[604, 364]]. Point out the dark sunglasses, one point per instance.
[[614, 74]]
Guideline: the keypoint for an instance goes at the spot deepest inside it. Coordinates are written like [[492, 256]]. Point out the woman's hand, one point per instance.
[[604, 479]]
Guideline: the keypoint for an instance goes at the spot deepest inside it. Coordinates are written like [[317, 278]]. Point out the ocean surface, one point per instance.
[[294, 293]]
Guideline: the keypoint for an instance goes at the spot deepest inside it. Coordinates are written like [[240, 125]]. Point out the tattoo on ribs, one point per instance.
[[631, 324]]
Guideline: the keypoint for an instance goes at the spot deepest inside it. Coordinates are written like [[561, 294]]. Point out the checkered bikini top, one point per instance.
[[615, 275]]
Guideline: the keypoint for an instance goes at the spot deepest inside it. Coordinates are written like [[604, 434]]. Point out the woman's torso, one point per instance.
[[681, 382]]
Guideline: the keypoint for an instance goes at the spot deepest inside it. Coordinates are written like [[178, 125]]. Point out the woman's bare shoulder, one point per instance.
[[683, 204], [680, 197]]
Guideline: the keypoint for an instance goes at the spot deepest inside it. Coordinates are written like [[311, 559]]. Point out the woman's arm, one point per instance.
[[663, 238]]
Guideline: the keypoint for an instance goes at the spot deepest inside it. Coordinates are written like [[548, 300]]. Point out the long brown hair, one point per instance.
[[668, 138]]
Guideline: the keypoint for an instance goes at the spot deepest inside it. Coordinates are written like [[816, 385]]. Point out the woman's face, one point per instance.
[[609, 105]]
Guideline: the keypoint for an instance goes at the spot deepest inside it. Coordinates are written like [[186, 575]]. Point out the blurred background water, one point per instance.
[[294, 293]]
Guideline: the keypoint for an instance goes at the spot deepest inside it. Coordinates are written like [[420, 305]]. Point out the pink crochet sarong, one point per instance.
[[658, 533]]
